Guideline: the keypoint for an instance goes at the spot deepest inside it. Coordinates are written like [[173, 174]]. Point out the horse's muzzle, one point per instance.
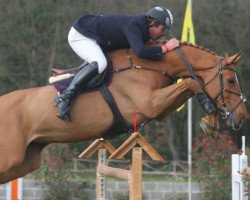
[[235, 123]]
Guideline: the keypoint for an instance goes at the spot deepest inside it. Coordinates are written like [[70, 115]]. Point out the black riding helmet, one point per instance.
[[161, 14]]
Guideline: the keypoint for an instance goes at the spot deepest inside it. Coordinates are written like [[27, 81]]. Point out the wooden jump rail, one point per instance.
[[134, 175]]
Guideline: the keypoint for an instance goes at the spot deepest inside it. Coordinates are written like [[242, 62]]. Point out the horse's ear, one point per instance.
[[234, 58]]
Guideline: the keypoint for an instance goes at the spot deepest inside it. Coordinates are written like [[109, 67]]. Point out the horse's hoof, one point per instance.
[[208, 128]]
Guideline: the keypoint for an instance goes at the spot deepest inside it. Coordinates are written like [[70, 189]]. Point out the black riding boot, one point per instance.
[[64, 99]]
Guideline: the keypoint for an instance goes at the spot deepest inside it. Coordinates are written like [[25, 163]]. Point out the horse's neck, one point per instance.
[[203, 62]]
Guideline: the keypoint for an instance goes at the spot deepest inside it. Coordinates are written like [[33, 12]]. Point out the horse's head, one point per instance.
[[220, 83], [225, 93]]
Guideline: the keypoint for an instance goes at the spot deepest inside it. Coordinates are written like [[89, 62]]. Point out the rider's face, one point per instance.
[[156, 30]]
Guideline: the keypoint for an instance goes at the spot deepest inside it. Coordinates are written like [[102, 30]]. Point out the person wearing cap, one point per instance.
[[91, 37]]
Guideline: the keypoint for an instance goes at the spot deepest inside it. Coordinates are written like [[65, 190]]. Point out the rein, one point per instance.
[[222, 110]]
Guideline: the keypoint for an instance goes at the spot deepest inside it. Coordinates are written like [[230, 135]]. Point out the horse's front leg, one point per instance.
[[164, 101], [210, 124]]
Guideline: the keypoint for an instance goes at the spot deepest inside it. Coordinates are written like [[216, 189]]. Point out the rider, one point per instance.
[[91, 35]]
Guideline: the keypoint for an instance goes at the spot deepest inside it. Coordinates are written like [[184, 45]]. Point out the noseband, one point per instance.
[[222, 110]]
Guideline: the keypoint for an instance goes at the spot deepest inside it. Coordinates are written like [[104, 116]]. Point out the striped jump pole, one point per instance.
[[14, 190], [103, 147], [239, 162]]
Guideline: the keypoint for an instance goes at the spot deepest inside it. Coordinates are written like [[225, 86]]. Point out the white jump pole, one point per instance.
[[100, 179], [239, 162], [14, 190]]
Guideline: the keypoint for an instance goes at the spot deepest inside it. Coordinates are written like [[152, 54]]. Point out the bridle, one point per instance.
[[223, 110]]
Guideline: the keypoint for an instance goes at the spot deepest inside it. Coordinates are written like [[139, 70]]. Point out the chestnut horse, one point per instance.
[[29, 121]]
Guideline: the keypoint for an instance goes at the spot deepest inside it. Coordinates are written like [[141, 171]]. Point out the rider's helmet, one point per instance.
[[162, 15]]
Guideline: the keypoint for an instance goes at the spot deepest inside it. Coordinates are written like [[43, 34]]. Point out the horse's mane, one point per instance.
[[159, 42], [199, 47]]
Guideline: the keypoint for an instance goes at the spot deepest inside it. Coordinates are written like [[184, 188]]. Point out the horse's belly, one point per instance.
[[90, 116]]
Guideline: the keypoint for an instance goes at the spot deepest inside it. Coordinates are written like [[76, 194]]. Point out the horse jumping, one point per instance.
[[29, 121]]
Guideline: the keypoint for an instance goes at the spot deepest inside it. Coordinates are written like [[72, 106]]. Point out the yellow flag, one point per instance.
[[187, 31], [188, 28]]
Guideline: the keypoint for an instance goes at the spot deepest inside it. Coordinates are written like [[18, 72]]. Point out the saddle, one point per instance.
[[63, 78]]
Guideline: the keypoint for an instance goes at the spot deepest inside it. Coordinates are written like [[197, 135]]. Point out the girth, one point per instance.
[[119, 125]]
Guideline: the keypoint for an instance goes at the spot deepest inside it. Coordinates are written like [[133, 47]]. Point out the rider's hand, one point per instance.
[[170, 45]]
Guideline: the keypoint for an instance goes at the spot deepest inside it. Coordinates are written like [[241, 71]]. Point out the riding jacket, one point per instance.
[[117, 31]]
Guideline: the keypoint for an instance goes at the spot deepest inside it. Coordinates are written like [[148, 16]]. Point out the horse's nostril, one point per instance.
[[241, 121]]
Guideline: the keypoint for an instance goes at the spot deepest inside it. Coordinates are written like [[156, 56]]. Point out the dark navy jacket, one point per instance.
[[118, 31]]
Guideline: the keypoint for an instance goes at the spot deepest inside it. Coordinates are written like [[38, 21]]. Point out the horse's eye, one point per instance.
[[231, 81]]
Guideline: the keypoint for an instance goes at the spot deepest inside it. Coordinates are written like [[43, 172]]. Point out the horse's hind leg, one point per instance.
[[31, 162]]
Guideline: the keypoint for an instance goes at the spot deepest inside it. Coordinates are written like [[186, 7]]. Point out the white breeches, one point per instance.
[[87, 49]]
